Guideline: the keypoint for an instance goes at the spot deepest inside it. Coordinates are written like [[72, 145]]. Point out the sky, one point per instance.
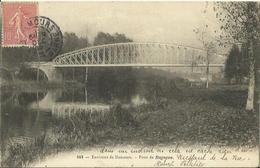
[[165, 22]]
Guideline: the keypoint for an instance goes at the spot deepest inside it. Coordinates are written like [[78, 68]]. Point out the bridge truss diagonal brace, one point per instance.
[[133, 54]]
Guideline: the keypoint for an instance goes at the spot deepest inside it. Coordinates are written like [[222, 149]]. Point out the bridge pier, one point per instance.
[[53, 74]]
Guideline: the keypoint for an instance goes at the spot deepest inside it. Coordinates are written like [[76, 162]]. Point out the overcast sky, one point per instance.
[[167, 22]]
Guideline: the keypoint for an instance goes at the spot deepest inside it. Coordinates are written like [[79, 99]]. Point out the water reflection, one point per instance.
[[67, 102], [20, 123], [30, 113]]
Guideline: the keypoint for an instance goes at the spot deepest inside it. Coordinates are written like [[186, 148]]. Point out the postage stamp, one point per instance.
[[15, 28]]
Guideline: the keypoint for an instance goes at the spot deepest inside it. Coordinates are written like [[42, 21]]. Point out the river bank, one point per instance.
[[169, 115], [34, 85]]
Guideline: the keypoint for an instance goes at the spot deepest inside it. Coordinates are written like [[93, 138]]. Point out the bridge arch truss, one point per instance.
[[134, 54]]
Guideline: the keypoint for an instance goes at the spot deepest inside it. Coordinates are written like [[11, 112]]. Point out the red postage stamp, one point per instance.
[[15, 28]]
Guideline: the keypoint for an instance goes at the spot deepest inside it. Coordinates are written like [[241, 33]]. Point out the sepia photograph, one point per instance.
[[130, 83]]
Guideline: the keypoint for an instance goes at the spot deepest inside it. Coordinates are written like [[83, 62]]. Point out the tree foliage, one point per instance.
[[236, 65], [72, 42], [241, 24], [240, 20], [106, 38], [14, 57], [1, 29]]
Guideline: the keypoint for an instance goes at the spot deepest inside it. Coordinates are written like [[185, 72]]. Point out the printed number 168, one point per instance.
[[79, 156]]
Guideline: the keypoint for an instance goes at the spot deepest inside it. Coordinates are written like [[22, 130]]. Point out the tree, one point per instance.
[[106, 38], [208, 44], [236, 66], [230, 67], [121, 38], [1, 61], [72, 42], [14, 57], [241, 24], [243, 61], [103, 38]]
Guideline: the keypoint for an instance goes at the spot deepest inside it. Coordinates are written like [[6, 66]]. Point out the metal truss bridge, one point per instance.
[[136, 54]]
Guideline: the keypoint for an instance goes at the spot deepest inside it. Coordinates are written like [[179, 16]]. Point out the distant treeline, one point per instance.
[[237, 64], [13, 57]]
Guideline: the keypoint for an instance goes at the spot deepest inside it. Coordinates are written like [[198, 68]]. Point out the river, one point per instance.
[[34, 114]]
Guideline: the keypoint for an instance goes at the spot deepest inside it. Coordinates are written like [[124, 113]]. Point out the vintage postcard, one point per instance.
[[130, 84]]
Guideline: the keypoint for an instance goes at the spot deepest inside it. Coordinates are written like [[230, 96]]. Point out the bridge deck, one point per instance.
[[137, 65]]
